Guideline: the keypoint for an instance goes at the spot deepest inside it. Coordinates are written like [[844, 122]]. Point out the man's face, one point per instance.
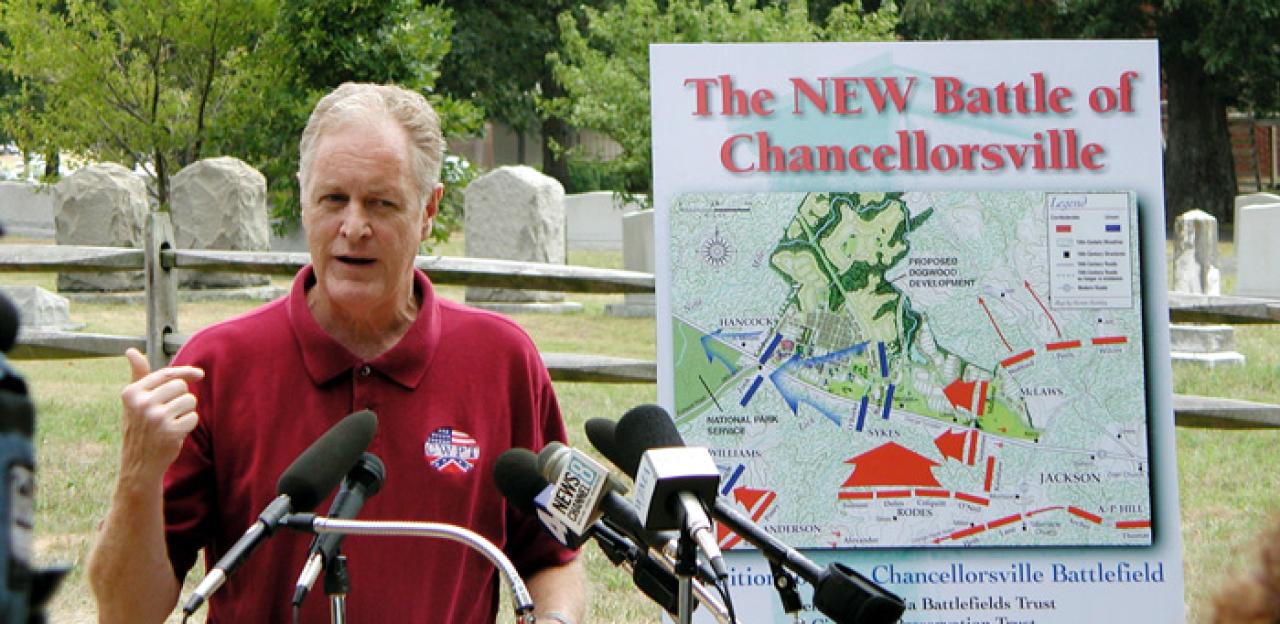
[[364, 217]]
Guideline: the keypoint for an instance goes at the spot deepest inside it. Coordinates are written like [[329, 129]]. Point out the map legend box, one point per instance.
[[1090, 250]]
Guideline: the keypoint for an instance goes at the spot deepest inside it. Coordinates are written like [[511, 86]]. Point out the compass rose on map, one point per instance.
[[716, 251]]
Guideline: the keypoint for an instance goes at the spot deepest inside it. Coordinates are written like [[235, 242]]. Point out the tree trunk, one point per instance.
[[555, 131], [1198, 168]]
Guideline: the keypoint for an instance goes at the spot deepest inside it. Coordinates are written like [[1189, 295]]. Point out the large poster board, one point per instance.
[[911, 296]]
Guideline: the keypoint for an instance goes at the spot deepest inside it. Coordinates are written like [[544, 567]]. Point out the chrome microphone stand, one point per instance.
[[519, 593]]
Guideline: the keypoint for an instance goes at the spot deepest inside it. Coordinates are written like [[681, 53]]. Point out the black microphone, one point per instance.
[[840, 592], [517, 475], [306, 482], [364, 480], [674, 483]]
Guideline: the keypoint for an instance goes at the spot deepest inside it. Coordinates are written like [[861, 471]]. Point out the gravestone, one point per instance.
[[594, 220], [26, 209], [516, 213], [219, 203], [40, 309], [1251, 199], [103, 205], [1257, 254], [1195, 254], [637, 255]]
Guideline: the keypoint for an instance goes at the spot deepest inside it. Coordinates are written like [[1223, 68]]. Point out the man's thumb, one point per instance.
[[138, 365]]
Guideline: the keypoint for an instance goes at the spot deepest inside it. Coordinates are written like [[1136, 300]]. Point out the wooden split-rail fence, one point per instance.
[[158, 258]]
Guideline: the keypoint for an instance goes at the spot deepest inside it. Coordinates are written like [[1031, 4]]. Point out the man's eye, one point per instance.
[[333, 198]]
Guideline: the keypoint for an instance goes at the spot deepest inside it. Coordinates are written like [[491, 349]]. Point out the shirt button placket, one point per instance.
[[362, 397]]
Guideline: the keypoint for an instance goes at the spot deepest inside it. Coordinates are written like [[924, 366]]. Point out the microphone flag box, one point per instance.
[[665, 472], [575, 492]]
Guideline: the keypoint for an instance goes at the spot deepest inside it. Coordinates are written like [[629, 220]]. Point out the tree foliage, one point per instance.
[[604, 59], [136, 81], [162, 83], [1216, 54]]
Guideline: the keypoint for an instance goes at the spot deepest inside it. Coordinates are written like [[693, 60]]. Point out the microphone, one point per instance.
[[301, 487], [361, 483], [840, 592], [579, 486], [673, 481], [517, 475]]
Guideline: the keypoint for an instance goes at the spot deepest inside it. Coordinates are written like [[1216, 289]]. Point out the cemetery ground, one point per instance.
[[1227, 478]]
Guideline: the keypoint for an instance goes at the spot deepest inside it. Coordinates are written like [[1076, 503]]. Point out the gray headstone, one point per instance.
[[26, 209], [1257, 254], [220, 203], [105, 205], [1205, 345], [637, 255], [515, 213], [1195, 254], [39, 308]]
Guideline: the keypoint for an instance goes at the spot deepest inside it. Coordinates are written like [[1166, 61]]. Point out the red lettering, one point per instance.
[[703, 86], [802, 88], [726, 154], [881, 155], [946, 95], [1087, 156], [846, 95]]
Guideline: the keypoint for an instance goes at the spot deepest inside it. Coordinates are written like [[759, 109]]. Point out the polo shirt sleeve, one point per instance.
[[189, 484], [530, 548]]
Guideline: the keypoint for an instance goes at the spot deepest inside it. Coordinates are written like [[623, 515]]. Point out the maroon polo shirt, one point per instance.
[[460, 387]]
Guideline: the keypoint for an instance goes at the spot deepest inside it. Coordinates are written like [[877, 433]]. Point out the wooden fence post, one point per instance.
[[162, 289]]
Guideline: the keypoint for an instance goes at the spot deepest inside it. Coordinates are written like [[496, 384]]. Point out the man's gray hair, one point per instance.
[[362, 101]]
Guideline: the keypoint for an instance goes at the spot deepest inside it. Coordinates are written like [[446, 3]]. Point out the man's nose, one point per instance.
[[355, 220]]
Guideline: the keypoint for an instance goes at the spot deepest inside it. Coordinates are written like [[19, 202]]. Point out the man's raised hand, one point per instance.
[[159, 412]]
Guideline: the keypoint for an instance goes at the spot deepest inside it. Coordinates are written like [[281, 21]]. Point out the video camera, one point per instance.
[[24, 590]]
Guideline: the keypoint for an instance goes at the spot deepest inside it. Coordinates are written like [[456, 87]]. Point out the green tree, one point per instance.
[[1215, 55], [137, 81], [316, 45], [604, 60]]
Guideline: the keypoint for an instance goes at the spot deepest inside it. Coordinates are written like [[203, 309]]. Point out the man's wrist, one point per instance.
[[557, 617]]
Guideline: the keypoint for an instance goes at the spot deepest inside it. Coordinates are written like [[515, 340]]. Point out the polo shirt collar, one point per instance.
[[325, 359]]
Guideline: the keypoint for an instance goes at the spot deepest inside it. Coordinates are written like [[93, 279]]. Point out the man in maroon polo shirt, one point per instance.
[[361, 329]]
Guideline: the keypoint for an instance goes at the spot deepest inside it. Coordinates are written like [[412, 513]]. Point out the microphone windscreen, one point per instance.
[[601, 433], [320, 468], [642, 428], [369, 471], [9, 321], [516, 474]]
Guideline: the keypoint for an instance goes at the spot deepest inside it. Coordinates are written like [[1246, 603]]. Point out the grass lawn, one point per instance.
[[1227, 478]]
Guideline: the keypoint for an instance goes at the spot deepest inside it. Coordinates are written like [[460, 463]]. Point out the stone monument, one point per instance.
[[1257, 254], [637, 255], [516, 213], [219, 203], [1195, 271], [102, 205]]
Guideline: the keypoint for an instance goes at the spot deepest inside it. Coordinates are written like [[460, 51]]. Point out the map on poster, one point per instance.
[[964, 364]]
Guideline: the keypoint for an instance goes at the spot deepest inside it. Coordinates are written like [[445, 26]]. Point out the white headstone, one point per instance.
[[26, 209], [1252, 199], [515, 213], [594, 220], [1195, 254], [220, 203], [1257, 254], [637, 255], [102, 204]]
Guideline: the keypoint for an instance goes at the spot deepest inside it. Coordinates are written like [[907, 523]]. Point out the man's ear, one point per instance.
[[431, 209]]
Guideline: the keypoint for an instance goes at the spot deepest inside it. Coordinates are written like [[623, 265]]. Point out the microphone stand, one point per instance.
[[519, 593], [686, 568], [337, 584]]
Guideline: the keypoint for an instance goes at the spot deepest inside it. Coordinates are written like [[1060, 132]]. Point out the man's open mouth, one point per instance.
[[355, 260]]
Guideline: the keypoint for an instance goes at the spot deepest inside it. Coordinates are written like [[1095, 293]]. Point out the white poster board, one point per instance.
[[912, 297]]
